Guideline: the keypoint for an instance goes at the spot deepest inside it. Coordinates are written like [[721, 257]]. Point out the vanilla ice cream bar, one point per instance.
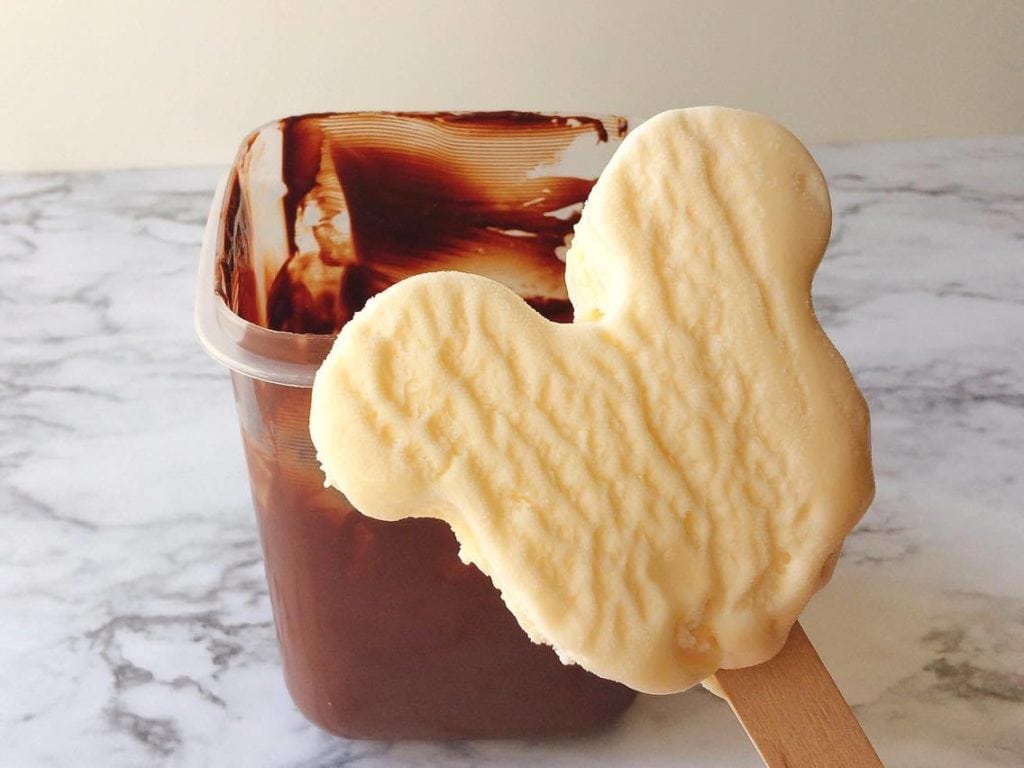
[[658, 488]]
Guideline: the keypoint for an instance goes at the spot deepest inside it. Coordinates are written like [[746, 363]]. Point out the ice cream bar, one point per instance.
[[658, 488]]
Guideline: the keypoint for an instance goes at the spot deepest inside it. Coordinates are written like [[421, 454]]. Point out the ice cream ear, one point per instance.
[[734, 177]]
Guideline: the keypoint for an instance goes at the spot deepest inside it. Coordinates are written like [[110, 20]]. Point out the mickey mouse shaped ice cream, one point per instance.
[[658, 488]]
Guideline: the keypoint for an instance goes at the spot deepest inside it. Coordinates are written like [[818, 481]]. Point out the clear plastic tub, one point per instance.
[[384, 632]]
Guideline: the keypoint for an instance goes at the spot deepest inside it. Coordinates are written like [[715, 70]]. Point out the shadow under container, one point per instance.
[[384, 633]]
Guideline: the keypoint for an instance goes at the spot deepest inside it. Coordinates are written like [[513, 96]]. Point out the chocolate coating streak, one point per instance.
[[388, 195]]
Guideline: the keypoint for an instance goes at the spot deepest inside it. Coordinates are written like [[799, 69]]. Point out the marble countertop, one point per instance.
[[135, 626]]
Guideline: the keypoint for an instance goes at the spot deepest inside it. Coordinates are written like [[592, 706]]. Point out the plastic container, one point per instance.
[[384, 632]]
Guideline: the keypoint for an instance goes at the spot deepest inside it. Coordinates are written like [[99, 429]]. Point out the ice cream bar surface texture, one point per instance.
[[658, 488]]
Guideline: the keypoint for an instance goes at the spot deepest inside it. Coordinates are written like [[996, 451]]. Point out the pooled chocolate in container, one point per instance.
[[384, 632]]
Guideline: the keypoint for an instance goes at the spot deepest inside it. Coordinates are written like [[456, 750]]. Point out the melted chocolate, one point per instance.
[[419, 192], [384, 632]]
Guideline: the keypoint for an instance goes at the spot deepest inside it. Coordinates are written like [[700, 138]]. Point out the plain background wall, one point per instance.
[[99, 83]]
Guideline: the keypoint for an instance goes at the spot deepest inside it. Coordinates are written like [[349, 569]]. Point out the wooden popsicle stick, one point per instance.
[[793, 712]]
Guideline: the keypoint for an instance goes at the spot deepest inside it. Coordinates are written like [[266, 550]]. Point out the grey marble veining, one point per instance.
[[135, 625]]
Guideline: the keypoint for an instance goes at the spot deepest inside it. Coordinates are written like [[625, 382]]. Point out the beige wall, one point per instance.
[[98, 83]]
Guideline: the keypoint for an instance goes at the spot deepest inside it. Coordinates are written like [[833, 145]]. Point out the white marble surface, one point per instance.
[[135, 627]]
